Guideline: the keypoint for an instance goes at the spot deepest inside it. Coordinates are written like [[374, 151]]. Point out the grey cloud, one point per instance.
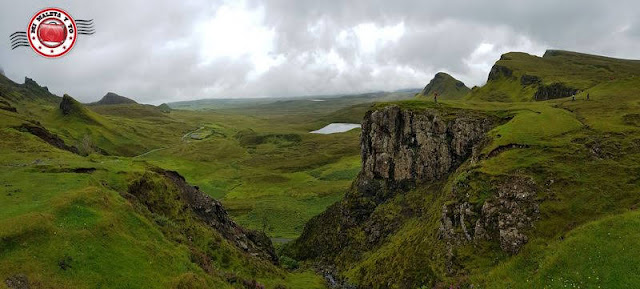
[[149, 51]]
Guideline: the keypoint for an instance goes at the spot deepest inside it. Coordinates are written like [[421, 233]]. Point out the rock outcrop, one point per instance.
[[498, 71], [504, 217], [72, 109], [32, 84], [177, 200], [68, 105], [553, 91], [418, 174], [526, 80], [47, 136], [401, 148], [213, 214]]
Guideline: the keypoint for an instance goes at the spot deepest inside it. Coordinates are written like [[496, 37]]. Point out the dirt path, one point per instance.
[[164, 148], [151, 151]]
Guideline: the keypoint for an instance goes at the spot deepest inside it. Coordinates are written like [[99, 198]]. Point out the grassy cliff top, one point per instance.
[[517, 76]]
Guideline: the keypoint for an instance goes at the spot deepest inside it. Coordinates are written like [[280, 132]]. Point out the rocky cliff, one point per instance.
[[401, 148], [407, 157]]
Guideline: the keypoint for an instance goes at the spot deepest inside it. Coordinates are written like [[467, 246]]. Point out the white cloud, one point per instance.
[[234, 32]]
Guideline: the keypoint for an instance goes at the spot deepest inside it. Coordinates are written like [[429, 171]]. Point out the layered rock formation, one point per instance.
[[406, 154], [554, 90], [504, 217], [402, 148]]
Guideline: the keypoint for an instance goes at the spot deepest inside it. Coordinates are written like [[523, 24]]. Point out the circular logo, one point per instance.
[[52, 32]]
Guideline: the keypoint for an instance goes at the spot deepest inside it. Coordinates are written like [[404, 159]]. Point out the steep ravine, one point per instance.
[[408, 162]]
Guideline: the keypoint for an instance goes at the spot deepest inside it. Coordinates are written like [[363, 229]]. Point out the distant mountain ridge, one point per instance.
[[112, 98], [519, 76]]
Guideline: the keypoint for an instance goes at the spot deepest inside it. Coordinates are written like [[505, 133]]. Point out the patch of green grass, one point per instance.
[[600, 254]]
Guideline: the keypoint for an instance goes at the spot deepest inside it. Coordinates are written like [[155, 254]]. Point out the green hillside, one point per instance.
[[445, 86], [572, 164], [112, 98], [487, 190], [81, 224], [519, 76]]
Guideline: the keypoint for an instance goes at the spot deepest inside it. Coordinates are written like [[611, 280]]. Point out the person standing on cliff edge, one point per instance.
[[435, 97]]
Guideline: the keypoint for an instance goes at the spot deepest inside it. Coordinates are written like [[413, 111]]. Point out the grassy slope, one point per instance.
[[63, 229], [587, 148], [583, 154], [446, 86], [577, 70], [275, 177], [263, 164], [274, 182], [600, 254]]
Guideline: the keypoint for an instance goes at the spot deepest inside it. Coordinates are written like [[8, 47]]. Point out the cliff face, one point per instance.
[[402, 148], [504, 217], [402, 152]]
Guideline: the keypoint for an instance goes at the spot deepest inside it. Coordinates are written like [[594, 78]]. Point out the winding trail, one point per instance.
[[151, 151], [164, 148]]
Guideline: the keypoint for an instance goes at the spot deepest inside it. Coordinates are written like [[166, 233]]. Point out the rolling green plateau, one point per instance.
[[520, 183]]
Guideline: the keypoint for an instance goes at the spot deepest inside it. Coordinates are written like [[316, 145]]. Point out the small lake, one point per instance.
[[337, 128]]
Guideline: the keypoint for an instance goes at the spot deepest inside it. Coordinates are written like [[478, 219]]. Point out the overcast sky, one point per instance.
[[166, 50]]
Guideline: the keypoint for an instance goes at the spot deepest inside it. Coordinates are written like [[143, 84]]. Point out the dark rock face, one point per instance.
[[213, 213], [73, 108], [504, 217], [32, 84], [499, 71], [68, 105], [402, 148], [529, 80], [208, 210], [553, 91], [48, 137]]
